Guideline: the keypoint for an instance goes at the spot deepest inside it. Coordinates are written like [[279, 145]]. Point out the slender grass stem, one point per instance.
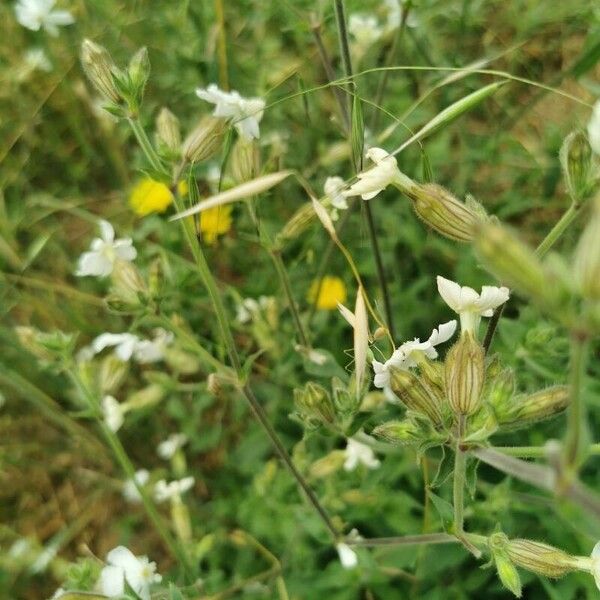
[[545, 245], [347, 61], [405, 540]]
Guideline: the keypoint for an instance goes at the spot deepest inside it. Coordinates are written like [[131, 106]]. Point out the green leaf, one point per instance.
[[444, 509]]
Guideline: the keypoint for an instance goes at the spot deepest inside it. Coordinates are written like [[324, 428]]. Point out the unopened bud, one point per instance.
[[415, 395], [205, 140], [139, 71], [576, 161], [346, 403], [432, 374], [401, 433], [297, 224], [167, 131], [99, 68], [501, 391], [245, 160], [507, 573], [150, 395], [328, 465], [512, 261], [214, 385], [587, 257], [535, 407], [464, 375], [47, 347], [444, 212], [180, 517], [181, 361], [539, 558], [315, 403], [127, 283]]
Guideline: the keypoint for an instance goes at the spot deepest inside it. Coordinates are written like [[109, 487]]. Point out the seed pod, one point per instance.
[[139, 71], [501, 391], [444, 212], [576, 161], [415, 395], [245, 160], [401, 433], [432, 374], [205, 140], [315, 403], [127, 283], [99, 68], [514, 263], [111, 374], [297, 224], [535, 407], [464, 375], [540, 558], [587, 257]]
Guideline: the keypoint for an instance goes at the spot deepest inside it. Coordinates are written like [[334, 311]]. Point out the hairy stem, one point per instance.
[[460, 464], [146, 145]]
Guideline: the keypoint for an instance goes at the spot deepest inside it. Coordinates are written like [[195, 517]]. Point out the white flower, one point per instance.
[[130, 491], [593, 128], [123, 566], [128, 345], [59, 593], [376, 178], [470, 305], [38, 14], [173, 443], [36, 59], [406, 356], [246, 113], [348, 557], [365, 31], [333, 190], [104, 252], [113, 412], [173, 489], [356, 453], [595, 564]]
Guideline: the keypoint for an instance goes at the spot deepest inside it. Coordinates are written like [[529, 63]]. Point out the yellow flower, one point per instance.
[[332, 290], [214, 222], [150, 196]]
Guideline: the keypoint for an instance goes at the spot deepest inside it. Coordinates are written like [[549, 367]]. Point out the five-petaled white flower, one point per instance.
[[128, 345], [130, 489], [36, 59], [356, 453], [113, 412], [38, 14], [333, 189], [406, 356], [173, 443], [245, 113], [365, 31], [173, 489], [123, 566], [376, 178], [104, 252], [593, 128], [470, 305], [348, 557]]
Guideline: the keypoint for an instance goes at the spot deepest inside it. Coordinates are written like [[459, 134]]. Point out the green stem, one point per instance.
[[536, 451], [227, 337], [545, 245], [577, 436], [347, 61], [460, 464], [128, 469], [145, 145], [404, 540]]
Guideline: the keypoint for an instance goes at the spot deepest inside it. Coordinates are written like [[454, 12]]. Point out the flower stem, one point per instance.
[[545, 245], [227, 338], [347, 61], [404, 540], [536, 451], [577, 436], [145, 145], [460, 464]]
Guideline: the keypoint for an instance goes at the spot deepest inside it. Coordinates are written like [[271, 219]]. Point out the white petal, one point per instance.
[[443, 333], [348, 557], [106, 230], [596, 551], [60, 17], [593, 128], [491, 297], [378, 154], [450, 292], [112, 581], [93, 264], [124, 250]]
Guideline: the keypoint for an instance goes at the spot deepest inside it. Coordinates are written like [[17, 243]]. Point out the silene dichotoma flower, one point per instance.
[[128, 345], [104, 251], [333, 188], [40, 14], [470, 305], [172, 490], [348, 557], [123, 566], [358, 453], [407, 355], [245, 113], [113, 413], [376, 178], [130, 489], [171, 445]]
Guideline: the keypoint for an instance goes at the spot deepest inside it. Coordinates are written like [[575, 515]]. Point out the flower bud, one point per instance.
[[245, 160], [464, 375], [205, 140], [400, 433], [576, 161], [214, 385], [444, 212], [48, 347], [507, 573], [148, 396], [501, 391], [539, 558], [99, 67], [167, 131], [297, 224], [512, 261], [328, 465], [180, 517], [314, 403], [346, 404], [415, 395], [535, 407], [139, 71], [587, 257], [432, 374], [181, 361], [111, 374]]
